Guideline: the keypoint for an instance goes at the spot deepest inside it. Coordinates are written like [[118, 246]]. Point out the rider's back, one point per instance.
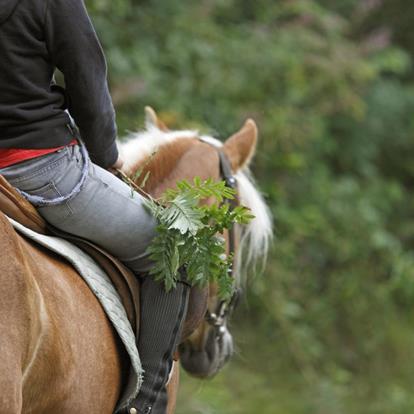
[[35, 37]]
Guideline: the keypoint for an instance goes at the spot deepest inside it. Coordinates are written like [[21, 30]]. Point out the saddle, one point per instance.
[[18, 208]]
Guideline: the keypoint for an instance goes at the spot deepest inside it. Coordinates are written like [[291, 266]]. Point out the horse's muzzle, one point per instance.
[[206, 362]]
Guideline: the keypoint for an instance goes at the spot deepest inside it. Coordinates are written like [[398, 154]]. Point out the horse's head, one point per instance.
[[175, 155]]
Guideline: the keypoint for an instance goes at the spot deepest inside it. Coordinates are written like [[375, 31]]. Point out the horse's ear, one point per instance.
[[151, 119], [241, 146]]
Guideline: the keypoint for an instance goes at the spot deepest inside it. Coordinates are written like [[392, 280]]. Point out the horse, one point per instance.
[[58, 351]]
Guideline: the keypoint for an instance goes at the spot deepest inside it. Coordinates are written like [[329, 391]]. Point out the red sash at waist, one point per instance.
[[10, 156]]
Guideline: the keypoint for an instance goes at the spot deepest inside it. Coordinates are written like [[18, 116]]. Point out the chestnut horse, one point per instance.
[[58, 352]]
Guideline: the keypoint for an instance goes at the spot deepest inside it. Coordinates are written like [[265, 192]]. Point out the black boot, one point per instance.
[[162, 317]]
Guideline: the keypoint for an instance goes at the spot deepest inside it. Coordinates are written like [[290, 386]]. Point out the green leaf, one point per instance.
[[189, 234], [183, 215]]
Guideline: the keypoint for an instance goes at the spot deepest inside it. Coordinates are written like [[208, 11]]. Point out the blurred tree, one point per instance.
[[330, 84]]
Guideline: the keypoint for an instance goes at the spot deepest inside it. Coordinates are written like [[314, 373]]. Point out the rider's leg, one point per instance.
[[109, 213], [159, 337]]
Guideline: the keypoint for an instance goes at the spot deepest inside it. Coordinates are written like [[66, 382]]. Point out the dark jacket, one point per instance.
[[35, 37]]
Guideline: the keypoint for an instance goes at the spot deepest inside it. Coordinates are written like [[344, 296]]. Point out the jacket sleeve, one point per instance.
[[75, 50]]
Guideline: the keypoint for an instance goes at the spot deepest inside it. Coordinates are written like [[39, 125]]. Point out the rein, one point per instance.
[[217, 319]]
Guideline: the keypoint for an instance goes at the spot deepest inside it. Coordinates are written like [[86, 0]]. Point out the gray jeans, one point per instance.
[[106, 211]]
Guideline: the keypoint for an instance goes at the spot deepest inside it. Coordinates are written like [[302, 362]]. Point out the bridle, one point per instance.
[[218, 318]]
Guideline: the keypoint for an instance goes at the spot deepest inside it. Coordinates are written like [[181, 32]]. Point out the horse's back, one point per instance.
[[58, 350]]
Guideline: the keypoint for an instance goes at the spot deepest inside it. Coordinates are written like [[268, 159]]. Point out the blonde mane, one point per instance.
[[256, 236]]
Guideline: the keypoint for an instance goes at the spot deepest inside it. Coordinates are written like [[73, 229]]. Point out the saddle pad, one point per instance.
[[101, 286]]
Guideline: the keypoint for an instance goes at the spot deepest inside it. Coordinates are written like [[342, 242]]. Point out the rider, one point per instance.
[[40, 155]]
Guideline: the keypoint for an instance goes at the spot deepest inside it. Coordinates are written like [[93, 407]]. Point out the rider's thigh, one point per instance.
[[106, 211]]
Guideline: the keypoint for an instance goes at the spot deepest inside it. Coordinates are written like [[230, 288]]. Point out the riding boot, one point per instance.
[[162, 318]]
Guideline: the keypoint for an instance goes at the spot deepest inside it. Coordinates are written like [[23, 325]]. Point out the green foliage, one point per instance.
[[331, 86], [187, 235]]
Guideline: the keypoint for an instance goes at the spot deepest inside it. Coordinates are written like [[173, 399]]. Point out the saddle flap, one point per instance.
[[124, 281]]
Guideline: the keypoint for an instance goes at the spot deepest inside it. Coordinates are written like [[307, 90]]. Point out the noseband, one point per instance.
[[217, 319]]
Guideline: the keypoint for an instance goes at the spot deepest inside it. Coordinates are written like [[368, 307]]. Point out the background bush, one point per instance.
[[329, 327]]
